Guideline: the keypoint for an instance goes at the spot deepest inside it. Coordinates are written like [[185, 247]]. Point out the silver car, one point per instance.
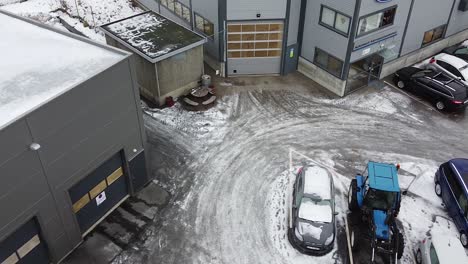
[[312, 217], [441, 248]]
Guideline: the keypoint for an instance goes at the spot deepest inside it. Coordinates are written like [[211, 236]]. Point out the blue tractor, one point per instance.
[[374, 201]]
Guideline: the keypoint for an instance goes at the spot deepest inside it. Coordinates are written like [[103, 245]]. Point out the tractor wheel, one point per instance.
[[352, 196], [401, 245], [354, 237]]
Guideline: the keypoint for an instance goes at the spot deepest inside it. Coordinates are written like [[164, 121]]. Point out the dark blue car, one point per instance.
[[451, 183]]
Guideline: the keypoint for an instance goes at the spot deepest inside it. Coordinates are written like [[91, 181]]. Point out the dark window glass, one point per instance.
[[462, 51], [433, 255], [328, 62], [452, 181], [450, 68], [335, 20], [433, 35], [376, 21]]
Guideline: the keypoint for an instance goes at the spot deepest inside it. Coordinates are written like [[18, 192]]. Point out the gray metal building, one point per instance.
[[340, 44], [72, 139]]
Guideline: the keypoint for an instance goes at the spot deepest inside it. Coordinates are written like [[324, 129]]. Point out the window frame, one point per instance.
[[182, 6], [328, 60], [433, 30], [379, 28], [210, 37], [333, 28]]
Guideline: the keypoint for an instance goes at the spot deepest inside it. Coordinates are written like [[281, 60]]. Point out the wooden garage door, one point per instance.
[[25, 246], [99, 193], [254, 45]]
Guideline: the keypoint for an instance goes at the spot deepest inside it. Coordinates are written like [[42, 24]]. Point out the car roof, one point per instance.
[[453, 85], [317, 183], [448, 248], [461, 165], [383, 177], [452, 60]]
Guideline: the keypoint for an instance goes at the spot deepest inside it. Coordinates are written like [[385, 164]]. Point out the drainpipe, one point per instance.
[[352, 37]]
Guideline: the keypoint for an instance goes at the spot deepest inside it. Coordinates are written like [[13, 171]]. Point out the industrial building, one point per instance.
[[340, 44], [169, 57], [72, 139]]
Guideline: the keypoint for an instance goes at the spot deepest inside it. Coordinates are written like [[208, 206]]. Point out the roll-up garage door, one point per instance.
[[254, 47], [24, 246], [99, 193]]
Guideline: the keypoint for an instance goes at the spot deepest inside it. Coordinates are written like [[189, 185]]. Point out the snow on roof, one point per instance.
[[152, 35], [317, 183], [38, 64], [448, 248]]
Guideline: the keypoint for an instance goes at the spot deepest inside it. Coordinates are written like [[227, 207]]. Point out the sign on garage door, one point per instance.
[[254, 47], [24, 246], [98, 193]]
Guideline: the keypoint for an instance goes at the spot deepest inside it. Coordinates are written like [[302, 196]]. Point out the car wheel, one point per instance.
[[440, 105], [353, 239], [419, 257], [464, 239], [438, 189], [352, 196], [401, 84]]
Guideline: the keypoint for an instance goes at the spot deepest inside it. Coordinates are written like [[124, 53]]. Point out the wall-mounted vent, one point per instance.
[[463, 6]]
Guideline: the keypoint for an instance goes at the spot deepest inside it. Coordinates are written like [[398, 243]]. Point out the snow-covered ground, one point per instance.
[[83, 15], [229, 174]]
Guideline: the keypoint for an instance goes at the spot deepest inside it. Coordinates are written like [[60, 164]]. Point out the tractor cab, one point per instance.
[[375, 196]]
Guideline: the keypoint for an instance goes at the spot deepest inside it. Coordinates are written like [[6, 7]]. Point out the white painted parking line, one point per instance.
[[350, 252], [411, 96]]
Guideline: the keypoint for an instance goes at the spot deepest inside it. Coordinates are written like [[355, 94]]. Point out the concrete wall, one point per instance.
[[458, 21], [426, 15], [386, 38], [77, 131], [422, 54], [248, 9], [179, 73], [325, 79], [319, 36]]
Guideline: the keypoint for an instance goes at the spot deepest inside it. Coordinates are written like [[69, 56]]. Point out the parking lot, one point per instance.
[[227, 169]]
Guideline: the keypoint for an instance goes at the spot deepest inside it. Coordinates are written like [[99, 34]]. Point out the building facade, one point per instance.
[[340, 44], [72, 139]]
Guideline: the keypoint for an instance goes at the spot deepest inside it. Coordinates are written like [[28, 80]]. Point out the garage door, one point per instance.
[[254, 47], [98, 193], [24, 246]]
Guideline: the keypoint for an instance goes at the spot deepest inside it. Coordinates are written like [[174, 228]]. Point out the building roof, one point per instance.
[[383, 177], [38, 64], [153, 36]]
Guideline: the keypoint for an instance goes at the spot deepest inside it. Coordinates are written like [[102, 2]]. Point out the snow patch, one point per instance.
[[317, 183], [316, 211]]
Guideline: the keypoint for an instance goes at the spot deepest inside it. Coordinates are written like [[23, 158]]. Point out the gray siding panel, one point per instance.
[[316, 35], [458, 21], [427, 14], [248, 9], [14, 140]]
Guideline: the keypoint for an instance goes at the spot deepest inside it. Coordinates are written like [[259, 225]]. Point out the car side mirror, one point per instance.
[[405, 192], [336, 213]]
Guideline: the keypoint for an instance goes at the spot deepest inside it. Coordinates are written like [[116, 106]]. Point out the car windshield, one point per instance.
[[377, 199], [315, 210]]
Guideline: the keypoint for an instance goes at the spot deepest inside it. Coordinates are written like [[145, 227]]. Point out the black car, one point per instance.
[[459, 51], [445, 92], [312, 217]]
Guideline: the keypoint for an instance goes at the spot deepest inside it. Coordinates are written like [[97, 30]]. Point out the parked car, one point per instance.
[[453, 66], [440, 248], [444, 91], [451, 183], [312, 217], [460, 51]]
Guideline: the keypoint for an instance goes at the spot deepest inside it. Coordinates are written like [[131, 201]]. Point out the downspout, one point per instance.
[[406, 28], [352, 38], [300, 37], [285, 37]]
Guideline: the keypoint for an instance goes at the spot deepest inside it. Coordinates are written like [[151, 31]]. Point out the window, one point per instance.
[[328, 62], [334, 20], [204, 26], [462, 51], [463, 202], [433, 255], [376, 21], [433, 35], [450, 68], [262, 39], [452, 181], [178, 8]]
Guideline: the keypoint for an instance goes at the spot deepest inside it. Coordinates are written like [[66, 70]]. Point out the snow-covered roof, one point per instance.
[[317, 183], [38, 64], [153, 36]]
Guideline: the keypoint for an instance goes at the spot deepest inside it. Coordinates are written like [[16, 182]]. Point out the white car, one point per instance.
[[441, 248], [450, 64]]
